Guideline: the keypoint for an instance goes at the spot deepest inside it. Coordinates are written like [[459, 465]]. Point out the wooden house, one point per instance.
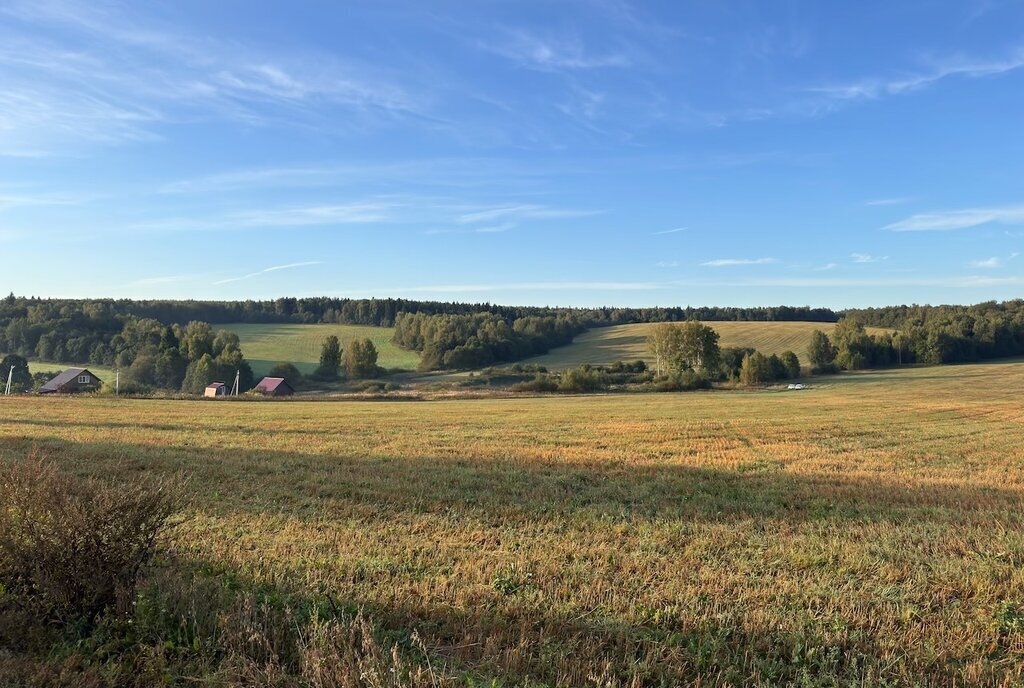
[[72, 380]]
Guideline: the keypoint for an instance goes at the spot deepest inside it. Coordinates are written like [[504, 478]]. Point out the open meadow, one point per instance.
[[266, 345], [605, 345], [866, 531]]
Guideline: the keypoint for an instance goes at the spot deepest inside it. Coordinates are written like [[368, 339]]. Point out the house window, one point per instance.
[[84, 379]]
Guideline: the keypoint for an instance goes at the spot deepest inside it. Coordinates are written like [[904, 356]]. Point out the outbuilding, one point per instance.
[[72, 380], [274, 387], [215, 389]]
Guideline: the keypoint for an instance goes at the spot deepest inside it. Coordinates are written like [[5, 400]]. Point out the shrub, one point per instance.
[[683, 381], [72, 549], [289, 372], [583, 379], [540, 383], [375, 386]]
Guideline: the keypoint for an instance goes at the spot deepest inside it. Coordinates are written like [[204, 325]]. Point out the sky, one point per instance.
[[559, 152]]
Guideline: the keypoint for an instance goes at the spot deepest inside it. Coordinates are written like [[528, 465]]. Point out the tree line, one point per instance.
[[949, 334], [384, 312], [688, 356], [455, 342]]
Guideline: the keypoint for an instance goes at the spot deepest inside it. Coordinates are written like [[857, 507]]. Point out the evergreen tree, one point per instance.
[[792, 364]]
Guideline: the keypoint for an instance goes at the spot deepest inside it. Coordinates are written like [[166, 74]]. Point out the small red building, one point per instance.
[[215, 389], [72, 380], [274, 387]]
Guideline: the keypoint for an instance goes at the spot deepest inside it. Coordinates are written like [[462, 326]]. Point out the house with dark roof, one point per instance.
[[72, 380], [274, 387]]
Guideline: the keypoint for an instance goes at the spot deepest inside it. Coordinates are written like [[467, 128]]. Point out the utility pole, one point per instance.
[[117, 382], [10, 376], [234, 388]]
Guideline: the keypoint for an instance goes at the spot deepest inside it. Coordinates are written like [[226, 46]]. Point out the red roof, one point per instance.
[[270, 384], [214, 385]]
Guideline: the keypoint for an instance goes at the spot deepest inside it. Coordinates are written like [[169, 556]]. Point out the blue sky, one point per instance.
[[559, 152]]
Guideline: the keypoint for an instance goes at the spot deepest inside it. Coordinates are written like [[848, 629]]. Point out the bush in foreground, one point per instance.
[[71, 550]]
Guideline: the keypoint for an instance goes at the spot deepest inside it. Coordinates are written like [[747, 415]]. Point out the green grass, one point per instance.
[[604, 345], [104, 373], [867, 531], [267, 345]]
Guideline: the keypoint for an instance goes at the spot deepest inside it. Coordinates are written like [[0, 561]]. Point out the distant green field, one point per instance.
[[267, 345], [605, 345], [103, 373]]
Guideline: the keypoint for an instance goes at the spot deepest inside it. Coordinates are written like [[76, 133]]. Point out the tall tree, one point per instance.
[[21, 378], [698, 348], [756, 370], [199, 374], [361, 359], [820, 352], [662, 342], [792, 364], [330, 359]]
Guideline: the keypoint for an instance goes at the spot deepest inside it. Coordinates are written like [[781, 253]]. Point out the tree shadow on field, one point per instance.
[[510, 489], [190, 605], [513, 629]]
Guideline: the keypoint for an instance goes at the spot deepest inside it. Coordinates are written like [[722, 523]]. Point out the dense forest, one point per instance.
[[949, 334], [384, 312], [474, 341]]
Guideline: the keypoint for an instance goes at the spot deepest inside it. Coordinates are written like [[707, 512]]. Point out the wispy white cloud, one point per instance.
[[993, 262], [489, 229], [953, 281], [900, 200], [115, 79], [938, 70], [551, 54], [275, 268], [728, 262], [947, 220], [667, 264], [299, 216], [529, 286], [8, 201], [670, 231], [867, 258], [827, 266], [525, 211]]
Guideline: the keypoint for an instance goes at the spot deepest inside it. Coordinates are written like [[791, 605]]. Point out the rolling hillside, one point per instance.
[[629, 342], [102, 372], [265, 345]]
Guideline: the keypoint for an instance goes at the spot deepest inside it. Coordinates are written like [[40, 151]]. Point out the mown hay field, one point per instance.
[[266, 345], [604, 345], [866, 531]]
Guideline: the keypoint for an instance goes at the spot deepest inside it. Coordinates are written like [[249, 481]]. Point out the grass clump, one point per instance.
[[72, 550]]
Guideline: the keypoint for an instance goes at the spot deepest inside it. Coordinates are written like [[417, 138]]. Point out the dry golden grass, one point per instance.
[[868, 531]]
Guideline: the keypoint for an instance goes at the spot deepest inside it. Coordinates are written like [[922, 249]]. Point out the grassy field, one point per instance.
[[868, 531], [605, 345], [105, 374], [266, 345]]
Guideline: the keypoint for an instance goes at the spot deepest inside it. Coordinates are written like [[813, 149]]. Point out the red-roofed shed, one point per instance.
[[274, 387]]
